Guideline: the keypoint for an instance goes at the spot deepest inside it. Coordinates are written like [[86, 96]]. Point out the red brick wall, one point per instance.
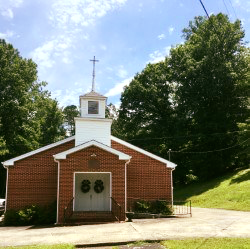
[[147, 178], [78, 162], [33, 180]]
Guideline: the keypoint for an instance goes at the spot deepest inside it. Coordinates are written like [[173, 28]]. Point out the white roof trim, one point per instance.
[[168, 163], [63, 155], [10, 162]]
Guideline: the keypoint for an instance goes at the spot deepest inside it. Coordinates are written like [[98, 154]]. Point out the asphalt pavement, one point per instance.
[[204, 223]]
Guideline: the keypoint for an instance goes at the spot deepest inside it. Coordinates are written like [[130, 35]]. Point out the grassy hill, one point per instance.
[[231, 191]]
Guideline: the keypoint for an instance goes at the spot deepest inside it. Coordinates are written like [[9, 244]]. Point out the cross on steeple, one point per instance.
[[93, 79]]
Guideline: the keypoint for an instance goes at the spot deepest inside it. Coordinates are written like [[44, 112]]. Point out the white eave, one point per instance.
[[11, 162], [63, 155], [168, 163]]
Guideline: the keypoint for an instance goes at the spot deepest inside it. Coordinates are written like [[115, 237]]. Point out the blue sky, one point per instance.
[[61, 36]]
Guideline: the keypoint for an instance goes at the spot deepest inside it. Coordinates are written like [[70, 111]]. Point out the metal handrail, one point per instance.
[[180, 207], [65, 210], [118, 217]]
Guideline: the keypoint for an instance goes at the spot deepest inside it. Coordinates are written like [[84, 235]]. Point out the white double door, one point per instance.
[[95, 199]]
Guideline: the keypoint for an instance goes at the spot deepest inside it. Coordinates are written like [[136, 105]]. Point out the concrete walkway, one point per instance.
[[204, 223]]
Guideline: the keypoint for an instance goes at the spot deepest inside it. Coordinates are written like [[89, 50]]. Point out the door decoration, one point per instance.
[[85, 186], [98, 186]]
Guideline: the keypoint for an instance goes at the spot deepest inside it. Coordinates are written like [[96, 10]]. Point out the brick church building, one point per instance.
[[90, 175]]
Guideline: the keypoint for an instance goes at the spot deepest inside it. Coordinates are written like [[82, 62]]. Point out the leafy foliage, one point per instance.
[[146, 107], [29, 118], [32, 215], [193, 102], [70, 112], [154, 207], [111, 112], [211, 68]]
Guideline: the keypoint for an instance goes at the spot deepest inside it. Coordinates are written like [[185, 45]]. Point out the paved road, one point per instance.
[[204, 223]]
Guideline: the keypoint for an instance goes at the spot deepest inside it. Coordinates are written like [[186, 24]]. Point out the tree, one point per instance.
[[70, 112], [51, 122], [18, 85], [211, 69], [111, 112], [193, 103], [146, 110], [29, 118]]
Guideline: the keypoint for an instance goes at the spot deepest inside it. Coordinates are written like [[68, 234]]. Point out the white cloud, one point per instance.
[[6, 35], [7, 13], [118, 88], [69, 17], [43, 54], [46, 54], [158, 56], [68, 97], [161, 36], [117, 105], [170, 30], [122, 73], [67, 13], [7, 6], [103, 47], [110, 69], [245, 5]]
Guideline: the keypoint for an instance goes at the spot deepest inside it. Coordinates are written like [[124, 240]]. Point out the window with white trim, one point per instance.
[[93, 107]]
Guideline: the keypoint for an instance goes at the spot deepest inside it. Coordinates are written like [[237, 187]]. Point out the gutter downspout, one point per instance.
[[126, 184], [58, 186], [172, 187], [6, 190]]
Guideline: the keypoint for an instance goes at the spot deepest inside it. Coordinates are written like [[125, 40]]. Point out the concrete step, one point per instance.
[[83, 217]]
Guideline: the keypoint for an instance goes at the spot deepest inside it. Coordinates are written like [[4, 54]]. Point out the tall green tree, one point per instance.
[[146, 110], [18, 86], [211, 70], [51, 120], [111, 112], [29, 118], [70, 112]]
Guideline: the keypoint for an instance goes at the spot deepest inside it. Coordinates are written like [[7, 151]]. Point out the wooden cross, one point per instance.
[[93, 79]]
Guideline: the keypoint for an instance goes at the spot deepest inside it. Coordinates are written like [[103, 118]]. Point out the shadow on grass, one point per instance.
[[185, 192], [241, 178]]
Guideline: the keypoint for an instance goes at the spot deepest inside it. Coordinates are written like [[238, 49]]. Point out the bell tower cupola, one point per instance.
[[92, 124]]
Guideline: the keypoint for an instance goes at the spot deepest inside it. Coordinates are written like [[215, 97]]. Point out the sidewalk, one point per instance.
[[204, 223]]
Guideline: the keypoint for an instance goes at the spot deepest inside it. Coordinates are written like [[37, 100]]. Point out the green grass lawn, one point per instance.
[[210, 243], [201, 243], [231, 191]]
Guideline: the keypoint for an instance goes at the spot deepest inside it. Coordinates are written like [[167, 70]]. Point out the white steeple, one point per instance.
[[92, 124]]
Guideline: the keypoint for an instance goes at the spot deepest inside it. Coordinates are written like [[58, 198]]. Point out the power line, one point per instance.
[[210, 151], [233, 9], [189, 136], [226, 7], [204, 8]]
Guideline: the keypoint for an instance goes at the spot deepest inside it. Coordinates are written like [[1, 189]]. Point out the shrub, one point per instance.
[[161, 207], [32, 215], [142, 206], [10, 217], [154, 207]]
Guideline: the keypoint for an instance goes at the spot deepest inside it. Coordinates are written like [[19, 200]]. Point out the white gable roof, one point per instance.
[[111, 150], [168, 163], [11, 161], [63, 155]]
